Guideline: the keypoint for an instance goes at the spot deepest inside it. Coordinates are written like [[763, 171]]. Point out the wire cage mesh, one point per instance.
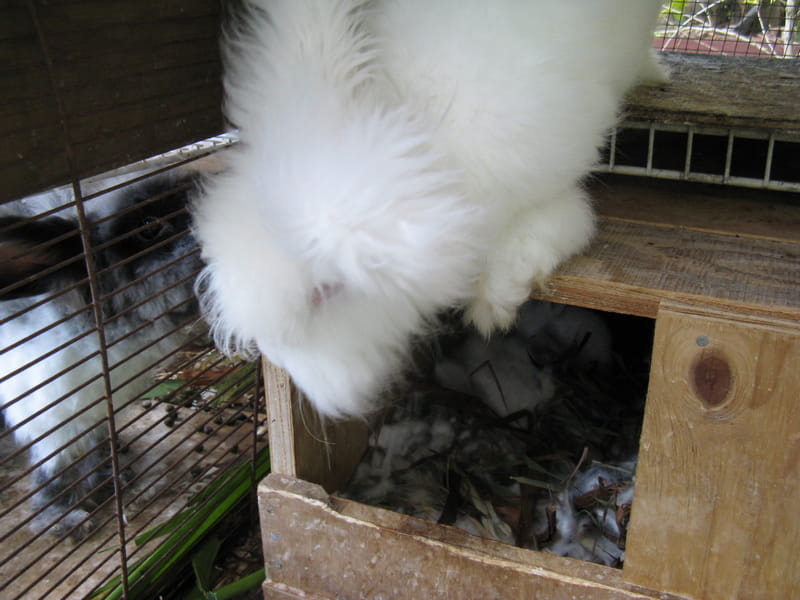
[[755, 28], [764, 157], [120, 419], [718, 155]]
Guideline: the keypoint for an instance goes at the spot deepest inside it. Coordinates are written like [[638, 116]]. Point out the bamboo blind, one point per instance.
[[91, 85]]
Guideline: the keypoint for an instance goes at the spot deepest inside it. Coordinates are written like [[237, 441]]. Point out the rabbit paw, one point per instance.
[[76, 524], [494, 307], [525, 254], [487, 317]]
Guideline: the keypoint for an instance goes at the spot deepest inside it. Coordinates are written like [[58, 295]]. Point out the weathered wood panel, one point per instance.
[[723, 91], [767, 215], [301, 444], [632, 267], [89, 86], [733, 253], [730, 461], [718, 478], [321, 547]]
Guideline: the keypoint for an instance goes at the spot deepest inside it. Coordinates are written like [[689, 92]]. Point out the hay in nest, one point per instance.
[[556, 473]]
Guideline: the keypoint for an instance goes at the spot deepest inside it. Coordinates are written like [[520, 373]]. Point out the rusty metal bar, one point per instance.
[[178, 444]]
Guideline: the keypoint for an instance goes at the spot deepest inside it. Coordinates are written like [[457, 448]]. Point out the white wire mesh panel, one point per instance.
[[728, 133], [745, 158]]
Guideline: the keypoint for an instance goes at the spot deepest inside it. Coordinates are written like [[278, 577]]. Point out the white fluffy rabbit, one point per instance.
[[399, 157], [51, 385]]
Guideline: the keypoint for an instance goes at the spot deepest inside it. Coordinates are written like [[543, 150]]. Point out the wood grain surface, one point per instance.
[[302, 444], [658, 243], [90, 86], [321, 547], [725, 91], [718, 477]]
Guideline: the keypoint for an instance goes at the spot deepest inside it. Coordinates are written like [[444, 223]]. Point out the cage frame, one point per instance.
[[691, 99]]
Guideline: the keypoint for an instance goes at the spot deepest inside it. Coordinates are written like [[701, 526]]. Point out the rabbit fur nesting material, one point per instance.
[[399, 158]]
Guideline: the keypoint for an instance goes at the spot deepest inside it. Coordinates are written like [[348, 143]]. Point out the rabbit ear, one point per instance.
[[37, 256]]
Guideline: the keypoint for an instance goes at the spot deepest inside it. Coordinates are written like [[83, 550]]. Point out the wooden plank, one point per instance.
[[279, 592], [124, 50], [332, 548], [301, 443], [722, 91], [718, 478], [631, 267], [88, 15], [700, 207]]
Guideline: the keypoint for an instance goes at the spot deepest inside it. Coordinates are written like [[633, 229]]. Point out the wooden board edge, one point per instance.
[[717, 210], [612, 296], [311, 546], [304, 444]]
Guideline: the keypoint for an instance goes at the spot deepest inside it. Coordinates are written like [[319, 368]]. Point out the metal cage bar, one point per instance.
[[634, 149], [211, 421]]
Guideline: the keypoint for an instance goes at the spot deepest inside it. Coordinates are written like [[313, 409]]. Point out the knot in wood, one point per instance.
[[711, 376]]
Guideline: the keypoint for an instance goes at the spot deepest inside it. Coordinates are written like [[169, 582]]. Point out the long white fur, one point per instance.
[[399, 157]]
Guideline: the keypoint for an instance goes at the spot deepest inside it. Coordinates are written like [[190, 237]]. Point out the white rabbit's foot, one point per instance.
[[494, 307], [526, 253], [487, 317]]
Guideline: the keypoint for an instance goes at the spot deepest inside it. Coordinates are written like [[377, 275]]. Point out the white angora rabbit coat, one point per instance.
[[400, 157]]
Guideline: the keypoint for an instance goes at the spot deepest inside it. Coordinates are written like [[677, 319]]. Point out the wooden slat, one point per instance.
[[708, 208], [319, 547], [718, 477], [301, 444], [631, 268], [720, 255], [274, 592], [723, 91]]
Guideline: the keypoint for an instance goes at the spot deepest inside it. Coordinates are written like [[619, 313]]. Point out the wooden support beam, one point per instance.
[[718, 477], [663, 242], [726, 91], [303, 444]]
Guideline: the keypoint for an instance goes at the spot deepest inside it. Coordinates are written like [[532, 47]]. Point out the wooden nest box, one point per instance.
[[718, 478]]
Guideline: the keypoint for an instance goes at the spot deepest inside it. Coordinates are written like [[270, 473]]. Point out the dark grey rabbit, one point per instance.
[[52, 389]]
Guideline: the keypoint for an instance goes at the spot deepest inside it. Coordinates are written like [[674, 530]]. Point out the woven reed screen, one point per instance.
[[86, 86]]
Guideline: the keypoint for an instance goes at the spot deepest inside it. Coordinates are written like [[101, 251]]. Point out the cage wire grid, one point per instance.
[[760, 159], [754, 28], [168, 442], [752, 158]]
